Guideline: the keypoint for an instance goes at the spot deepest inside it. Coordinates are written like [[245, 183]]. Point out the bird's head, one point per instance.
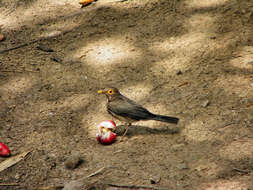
[[110, 92]]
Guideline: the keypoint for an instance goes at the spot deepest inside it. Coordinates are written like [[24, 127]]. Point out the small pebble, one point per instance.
[[17, 176], [182, 166], [56, 59], [205, 103], [178, 147], [75, 185], [179, 72], [44, 48], [155, 180], [152, 181], [73, 162], [2, 37]]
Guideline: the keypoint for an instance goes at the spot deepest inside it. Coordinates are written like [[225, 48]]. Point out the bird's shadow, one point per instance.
[[134, 130]]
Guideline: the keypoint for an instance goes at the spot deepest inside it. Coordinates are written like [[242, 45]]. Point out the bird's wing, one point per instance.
[[127, 108]]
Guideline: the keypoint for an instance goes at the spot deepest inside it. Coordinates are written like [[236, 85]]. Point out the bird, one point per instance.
[[128, 111]]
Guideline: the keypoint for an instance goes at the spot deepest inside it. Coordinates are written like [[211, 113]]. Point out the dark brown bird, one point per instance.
[[124, 109]]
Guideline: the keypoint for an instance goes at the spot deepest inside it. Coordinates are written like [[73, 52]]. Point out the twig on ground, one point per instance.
[[241, 171], [121, 1], [9, 184], [20, 46], [226, 125], [96, 172], [223, 126], [12, 161], [135, 187], [118, 151], [18, 71], [37, 40]]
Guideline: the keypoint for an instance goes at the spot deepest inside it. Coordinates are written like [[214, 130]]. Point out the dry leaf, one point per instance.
[[2, 38], [12, 160], [184, 83], [85, 2]]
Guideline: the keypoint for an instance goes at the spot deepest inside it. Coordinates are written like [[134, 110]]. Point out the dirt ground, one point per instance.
[[192, 59]]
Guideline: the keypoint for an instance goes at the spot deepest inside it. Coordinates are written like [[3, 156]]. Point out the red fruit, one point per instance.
[[105, 134], [106, 138], [4, 150], [108, 124]]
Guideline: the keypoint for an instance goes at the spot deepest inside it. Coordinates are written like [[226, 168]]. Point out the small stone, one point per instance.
[[201, 167], [44, 48], [182, 166], [56, 59], [155, 180], [178, 147], [17, 176], [74, 185], [73, 161], [205, 103], [179, 72], [2, 38], [83, 183]]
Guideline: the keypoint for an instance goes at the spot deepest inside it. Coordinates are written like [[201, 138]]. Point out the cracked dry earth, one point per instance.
[[192, 59]]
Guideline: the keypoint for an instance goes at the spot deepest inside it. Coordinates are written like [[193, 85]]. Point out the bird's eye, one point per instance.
[[110, 91]]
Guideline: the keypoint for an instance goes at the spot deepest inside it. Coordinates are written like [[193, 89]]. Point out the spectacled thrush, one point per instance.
[[126, 110]]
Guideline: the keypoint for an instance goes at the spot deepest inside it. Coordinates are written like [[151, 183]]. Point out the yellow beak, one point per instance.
[[101, 92]]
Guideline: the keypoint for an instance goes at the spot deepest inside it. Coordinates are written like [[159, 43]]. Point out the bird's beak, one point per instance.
[[101, 92]]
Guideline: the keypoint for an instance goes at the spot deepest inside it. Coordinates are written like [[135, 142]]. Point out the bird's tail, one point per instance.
[[164, 118]]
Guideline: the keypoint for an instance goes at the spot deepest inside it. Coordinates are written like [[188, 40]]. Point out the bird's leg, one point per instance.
[[127, 127]]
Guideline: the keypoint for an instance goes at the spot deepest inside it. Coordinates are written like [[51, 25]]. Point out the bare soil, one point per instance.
[[190, 59]]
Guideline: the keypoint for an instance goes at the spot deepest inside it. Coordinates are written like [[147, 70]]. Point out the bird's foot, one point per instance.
[[125, 132], [122, 139]]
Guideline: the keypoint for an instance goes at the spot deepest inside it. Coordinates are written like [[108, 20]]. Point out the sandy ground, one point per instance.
[[187, 58]]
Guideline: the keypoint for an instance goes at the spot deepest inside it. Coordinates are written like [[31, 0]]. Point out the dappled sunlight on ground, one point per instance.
[[198, 131], [225, 185], [108, 51], [206, 3], [243, 59], [183, 43], [240, 85], [175, 49], [138, 92], [207, 168], [96, 115], [239, 149]]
